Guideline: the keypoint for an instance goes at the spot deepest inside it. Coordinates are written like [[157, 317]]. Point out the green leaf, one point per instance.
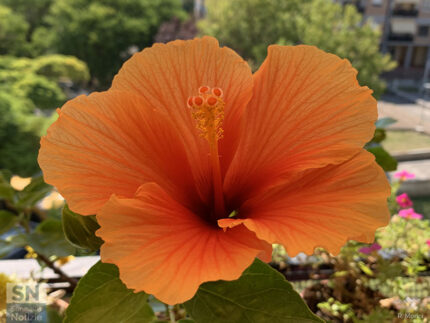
[[101, 297], [379, 136], [6, 191], [5, 175], [33, 192], [383, 158], [48, 239], [261, 294], [19, 240], [80, 230], [5, 248], [366, 269], [384, 122], [53, 315], [7, 221]]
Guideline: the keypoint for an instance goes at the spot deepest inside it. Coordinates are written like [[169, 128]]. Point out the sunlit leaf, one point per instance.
[[261, 294], [80, 230], [33, 192], [48, 239], [102, 297]]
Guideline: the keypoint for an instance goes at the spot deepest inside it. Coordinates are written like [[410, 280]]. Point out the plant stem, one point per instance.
[[171, 314], [73, 282]]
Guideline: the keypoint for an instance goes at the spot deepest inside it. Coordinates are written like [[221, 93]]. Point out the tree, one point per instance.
[[249, 26], [29, 91], [13, 30], [24, 19], [104, 33], [18, 147], [32, 11]]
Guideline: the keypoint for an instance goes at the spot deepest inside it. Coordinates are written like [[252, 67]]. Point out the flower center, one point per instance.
[[207, 109]]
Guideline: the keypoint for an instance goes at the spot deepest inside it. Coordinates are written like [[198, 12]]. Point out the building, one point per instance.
[[405, 26]]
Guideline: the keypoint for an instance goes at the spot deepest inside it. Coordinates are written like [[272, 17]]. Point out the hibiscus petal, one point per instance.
[[113, 142], [162, 248], [165, 75], [321, 207], [307, 111]]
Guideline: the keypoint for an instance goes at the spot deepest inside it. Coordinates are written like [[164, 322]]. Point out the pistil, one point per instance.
[[208, 111]]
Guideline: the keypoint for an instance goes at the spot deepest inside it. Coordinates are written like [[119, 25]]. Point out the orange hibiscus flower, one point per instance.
[[194, 166]]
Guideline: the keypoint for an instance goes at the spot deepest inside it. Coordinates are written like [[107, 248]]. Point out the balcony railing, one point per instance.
[[404, 12], [400, 37]]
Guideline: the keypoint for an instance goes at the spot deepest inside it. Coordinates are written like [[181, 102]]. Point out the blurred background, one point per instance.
[[53, 50]]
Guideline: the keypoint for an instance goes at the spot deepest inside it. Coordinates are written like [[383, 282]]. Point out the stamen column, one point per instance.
[[208, 111]]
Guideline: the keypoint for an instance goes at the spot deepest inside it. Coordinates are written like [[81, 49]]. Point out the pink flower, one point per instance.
[[404, 175], [428, 242], [410, 214], [370, 249], [403, 200]]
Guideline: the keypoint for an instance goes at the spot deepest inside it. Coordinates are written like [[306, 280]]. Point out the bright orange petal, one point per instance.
[[165, 75], [307, 111], [322, 207], [162, 248], [112, 142]]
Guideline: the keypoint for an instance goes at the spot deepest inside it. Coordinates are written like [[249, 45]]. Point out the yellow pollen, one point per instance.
[[207, 109]]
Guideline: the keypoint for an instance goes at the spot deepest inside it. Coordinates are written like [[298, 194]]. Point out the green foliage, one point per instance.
[[61, 68], [362, 278], [28, 16], [384, 122], [43, 92], [102, 32], [32, 193], [18, 146], [7, 221], [6, 190], [344, 312], [249, 26], [32, 12], [102, 297], [52, 67], [13, 30], [383, 158], [47, 238], [408, 236], [26, 87], [261, 294], [338, 30], [80, 230]]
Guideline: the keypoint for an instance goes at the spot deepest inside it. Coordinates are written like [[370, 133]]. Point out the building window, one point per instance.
[[419, 56], [377, 3], [423, 31]]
